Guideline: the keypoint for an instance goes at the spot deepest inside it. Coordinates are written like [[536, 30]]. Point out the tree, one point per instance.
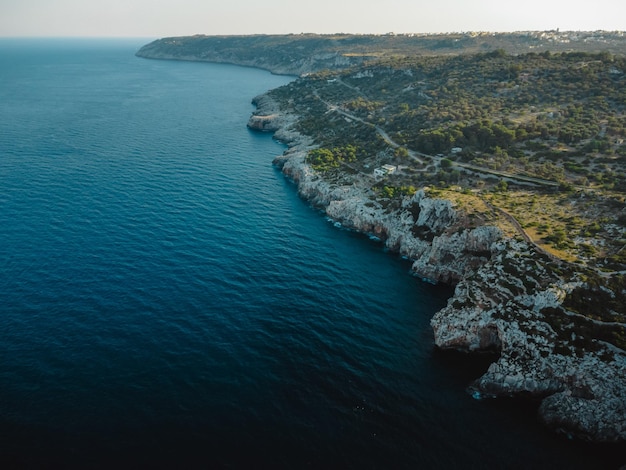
[[514, 71], [401, 152], [501, 187]]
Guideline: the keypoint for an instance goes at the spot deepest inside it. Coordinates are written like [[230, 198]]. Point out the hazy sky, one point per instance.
[[160, 18]]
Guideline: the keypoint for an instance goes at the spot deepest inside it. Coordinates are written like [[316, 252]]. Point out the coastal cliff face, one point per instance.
[[507, 305], [268, 117], [505, 298]]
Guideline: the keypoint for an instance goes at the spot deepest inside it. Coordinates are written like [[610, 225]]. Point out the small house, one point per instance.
[[390, 169], [385, 170]]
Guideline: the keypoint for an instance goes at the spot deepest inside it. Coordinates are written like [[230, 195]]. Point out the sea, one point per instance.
[[168, 301]]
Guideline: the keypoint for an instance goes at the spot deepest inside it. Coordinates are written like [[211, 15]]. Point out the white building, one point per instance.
[[390, 169], [385, 170]]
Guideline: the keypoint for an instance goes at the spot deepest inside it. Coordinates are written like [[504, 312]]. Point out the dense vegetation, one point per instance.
[[324, 159], [540, 136], [558, 117]]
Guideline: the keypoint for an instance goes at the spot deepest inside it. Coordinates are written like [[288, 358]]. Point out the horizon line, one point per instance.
[[391, 33]]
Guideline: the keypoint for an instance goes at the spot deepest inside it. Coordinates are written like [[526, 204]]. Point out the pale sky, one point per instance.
[[161, 18]]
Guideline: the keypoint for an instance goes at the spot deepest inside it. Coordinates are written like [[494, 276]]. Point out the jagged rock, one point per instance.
[[580, 413], [267, 117], [436, 214], [451, 256], [583, 394]]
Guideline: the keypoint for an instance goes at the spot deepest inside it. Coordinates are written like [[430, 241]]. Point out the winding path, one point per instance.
[[415, 155]]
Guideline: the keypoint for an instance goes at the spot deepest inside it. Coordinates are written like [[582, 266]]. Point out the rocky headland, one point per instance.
[[509, 297], [556, 323]]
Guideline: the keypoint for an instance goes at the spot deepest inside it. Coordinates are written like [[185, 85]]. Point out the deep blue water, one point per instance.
[[166, 299]]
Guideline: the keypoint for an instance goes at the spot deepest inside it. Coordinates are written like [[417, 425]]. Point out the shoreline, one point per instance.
[[504, 295], [509, 297]]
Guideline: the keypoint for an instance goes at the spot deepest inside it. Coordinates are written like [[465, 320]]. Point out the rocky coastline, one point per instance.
[[505, 298]]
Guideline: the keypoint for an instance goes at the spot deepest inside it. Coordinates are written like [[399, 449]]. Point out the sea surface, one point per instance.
[[167, 300]]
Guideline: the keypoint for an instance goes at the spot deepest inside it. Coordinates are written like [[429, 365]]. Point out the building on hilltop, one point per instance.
[[385, 170]]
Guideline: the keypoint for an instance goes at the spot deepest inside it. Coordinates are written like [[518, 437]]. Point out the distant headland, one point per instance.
[[300, 54]]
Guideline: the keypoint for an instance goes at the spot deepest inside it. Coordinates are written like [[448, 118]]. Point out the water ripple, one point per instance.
[[165, 293]]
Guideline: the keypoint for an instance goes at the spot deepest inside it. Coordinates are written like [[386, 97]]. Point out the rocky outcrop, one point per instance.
[[505, 297], [269, 123], [267, 117], [506, 305]]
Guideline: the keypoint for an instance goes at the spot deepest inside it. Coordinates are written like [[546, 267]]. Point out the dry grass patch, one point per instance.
[[553, 221]]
